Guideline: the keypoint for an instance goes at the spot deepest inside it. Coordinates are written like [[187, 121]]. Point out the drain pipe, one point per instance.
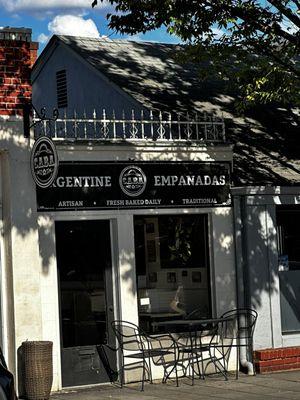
[[242, 270], [244, 362]]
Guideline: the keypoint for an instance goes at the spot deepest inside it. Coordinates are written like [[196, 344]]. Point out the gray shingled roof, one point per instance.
[[146, 71], [267, 142]]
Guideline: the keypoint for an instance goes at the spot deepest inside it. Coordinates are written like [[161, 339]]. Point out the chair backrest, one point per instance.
[[207, 335], [222, 340], [196, 314], [227, 333], [128, 335], [245, 320]]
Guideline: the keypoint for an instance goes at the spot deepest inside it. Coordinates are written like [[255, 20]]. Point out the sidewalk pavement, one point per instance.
[[277, 386]]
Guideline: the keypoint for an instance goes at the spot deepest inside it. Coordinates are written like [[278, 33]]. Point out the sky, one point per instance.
[[66, 17], [73, 17]]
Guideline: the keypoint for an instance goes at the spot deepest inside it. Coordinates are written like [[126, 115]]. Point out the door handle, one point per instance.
[[110, 308]]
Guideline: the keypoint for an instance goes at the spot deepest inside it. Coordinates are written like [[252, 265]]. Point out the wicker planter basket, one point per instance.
[[38, 369]]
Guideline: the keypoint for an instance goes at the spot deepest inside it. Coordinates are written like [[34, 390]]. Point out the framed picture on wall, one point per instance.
[[171, 277], [150, 227], [196, 276], [152, 277]]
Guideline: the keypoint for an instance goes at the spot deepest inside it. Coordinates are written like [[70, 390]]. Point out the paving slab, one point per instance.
[[276, 386]]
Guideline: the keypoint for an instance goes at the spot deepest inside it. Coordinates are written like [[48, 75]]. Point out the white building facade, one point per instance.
[[150, 216]]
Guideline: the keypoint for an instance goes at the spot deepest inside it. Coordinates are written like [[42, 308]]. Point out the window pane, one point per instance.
[[172, 266], [288, 222], [183, 242]]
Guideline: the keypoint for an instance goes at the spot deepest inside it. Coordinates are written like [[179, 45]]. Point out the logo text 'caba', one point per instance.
[[44, 162], [132, 181]]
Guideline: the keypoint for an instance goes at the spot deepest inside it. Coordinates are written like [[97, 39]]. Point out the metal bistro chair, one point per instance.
[[198, 347], [221, 344], [193, 348], [137, 345], [245, 321]]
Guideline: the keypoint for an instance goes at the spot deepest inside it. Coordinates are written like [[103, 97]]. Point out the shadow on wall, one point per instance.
[[263, 240], [18, 189], [260, 248], [266, 140], [25, 222]]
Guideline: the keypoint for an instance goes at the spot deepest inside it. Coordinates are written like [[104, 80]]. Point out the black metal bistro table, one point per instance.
[[197, 329]]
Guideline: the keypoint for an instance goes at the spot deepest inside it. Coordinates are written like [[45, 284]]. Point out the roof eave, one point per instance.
[[44, 57]]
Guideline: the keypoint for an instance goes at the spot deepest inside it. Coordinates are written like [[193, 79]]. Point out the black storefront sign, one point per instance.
[[132, 185]]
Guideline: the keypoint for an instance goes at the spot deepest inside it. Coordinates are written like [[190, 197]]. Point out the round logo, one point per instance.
[[132, 181], [44, 162]]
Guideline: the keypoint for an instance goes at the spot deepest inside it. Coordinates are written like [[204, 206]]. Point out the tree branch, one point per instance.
[[286, 12], [297, 3], [281, 62], [244, 15], [275, 27]]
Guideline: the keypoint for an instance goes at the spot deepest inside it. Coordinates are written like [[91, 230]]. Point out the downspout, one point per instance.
[[242, 270]]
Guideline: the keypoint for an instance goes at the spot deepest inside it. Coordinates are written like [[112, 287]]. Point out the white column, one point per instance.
[[127, 276]]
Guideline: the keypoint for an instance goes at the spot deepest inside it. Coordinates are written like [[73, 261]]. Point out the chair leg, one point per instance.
[[202, 367], [223, 371], [144, 374], [176, 374], [237, 364], [150, 370], [198, 366], [167, 374], [193, 370], [219, 367], [122, 371], [163, 379]]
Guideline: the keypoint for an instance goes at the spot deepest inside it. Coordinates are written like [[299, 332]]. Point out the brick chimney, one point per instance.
[[17, 55]]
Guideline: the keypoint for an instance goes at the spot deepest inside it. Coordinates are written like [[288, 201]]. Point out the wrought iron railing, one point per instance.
[[146, 126]]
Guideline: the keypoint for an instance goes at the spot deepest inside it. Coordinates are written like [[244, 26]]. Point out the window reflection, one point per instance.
[[172, 266]]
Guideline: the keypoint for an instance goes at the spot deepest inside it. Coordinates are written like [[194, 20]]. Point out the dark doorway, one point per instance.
[[83, 250]]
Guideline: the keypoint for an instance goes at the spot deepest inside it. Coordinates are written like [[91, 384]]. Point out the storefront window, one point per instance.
[[288, 219], [288, 234], [172, 266]]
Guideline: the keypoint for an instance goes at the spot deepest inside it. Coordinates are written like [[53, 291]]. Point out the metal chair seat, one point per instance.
[[136, 344], [193, 349], [149, 353]]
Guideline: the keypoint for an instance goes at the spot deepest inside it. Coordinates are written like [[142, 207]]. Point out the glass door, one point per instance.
[[83, 250]]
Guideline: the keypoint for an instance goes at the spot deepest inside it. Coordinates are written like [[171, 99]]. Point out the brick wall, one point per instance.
[[17, 55], [272, 360]]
